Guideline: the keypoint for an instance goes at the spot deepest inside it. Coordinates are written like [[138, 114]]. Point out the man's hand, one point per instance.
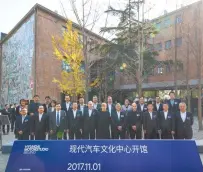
[[31, 114], [46, 133], [172, 132], [134, 127], [33, 133], [81, 130], [51, 132], [119, 128], [20, 132], [67, 131]]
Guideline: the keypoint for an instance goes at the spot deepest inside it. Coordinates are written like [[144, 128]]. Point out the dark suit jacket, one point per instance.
[[186, 126], [160, 107], [116, 122], [98, 107], [75, 123], [39, 126], [135, 118], [167, 124], [8, 113], [63, 121], [175, 108], [113, 109], [45, 107], [139, 108], [25, 126], [84, 108], [63, 107], [33, 108], [149, 124], [89, 123]]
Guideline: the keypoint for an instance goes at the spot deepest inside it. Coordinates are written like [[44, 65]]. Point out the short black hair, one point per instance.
[[54, 101], [47, 97], [36, 95], [57, 103], [6, 105], [171, 92]]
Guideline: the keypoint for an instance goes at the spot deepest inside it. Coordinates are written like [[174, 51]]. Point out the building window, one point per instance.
[[158, 47], [168, 44], [167, 23], [178, 19], [178, 42], [168, 68], [160, 70]]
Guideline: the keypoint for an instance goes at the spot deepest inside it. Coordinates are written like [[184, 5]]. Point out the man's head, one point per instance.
[[165, 107], [103, 106], [141, 101], [6, 106], [157, 99], [182, 107], [150, 107], [134, 106], [36, 98], [95, 99], [118, 107], [47, 100], [126, 102], [81, 100], [22, 102], [75, 105], [58, 106], [90, 104], [23, 111], [172, 95], [53, 103], [41, 109], [67, 98], [109, 100]]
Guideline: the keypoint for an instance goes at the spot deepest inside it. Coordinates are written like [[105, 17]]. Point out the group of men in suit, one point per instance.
[[168, 120]]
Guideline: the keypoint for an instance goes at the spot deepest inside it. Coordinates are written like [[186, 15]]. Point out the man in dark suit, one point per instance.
[[47, 104], [158, 106], [134, 121], [173, 103], [111, 109], [23, 125], [89, 121], [13, 116], [6, 111], [40, 124], [20, 107], [96, 105], [66, 106], [75, 122], [57, 123], [150, 123], [118, 123], [184, 122], [166, 123], [81, 105], [142, 107]]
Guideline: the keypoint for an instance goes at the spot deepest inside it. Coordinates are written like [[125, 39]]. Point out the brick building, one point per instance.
[[179, 40], [27, 60]]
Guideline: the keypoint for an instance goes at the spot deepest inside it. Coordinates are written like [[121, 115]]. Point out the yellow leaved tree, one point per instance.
[[69, 50]]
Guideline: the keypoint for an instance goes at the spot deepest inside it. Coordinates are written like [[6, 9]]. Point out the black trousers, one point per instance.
[[8, 129], [12, 124], [40, 136], [64, 136], [137, 133], [75, 134], [184, 135], [151, 135], [119, 134], [89, 134], [23, 136]]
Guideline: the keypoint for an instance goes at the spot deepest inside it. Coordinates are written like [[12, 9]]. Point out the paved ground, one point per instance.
[[198, 136]]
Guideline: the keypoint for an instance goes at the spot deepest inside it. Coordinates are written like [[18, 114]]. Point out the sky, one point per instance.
[[12, 11]]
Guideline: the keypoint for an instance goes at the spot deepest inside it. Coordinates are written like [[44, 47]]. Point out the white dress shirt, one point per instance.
[[82, 108], [90, 112], [150, 114], [119, 115], [157, 106], [183, 116], [23, 118], [74, 113], [165, 114], [142, 106], [67, 105], [40, 117], [58, 112], [52, 109], [109, 106], [95, 106]]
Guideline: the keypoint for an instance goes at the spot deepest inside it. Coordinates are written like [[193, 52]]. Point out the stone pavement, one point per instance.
[[198, 136]]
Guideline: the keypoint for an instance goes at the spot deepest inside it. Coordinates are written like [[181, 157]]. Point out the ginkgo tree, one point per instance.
[[69, 50]]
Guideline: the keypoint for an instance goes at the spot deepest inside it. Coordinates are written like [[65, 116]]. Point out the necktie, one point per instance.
[[57, 119]]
